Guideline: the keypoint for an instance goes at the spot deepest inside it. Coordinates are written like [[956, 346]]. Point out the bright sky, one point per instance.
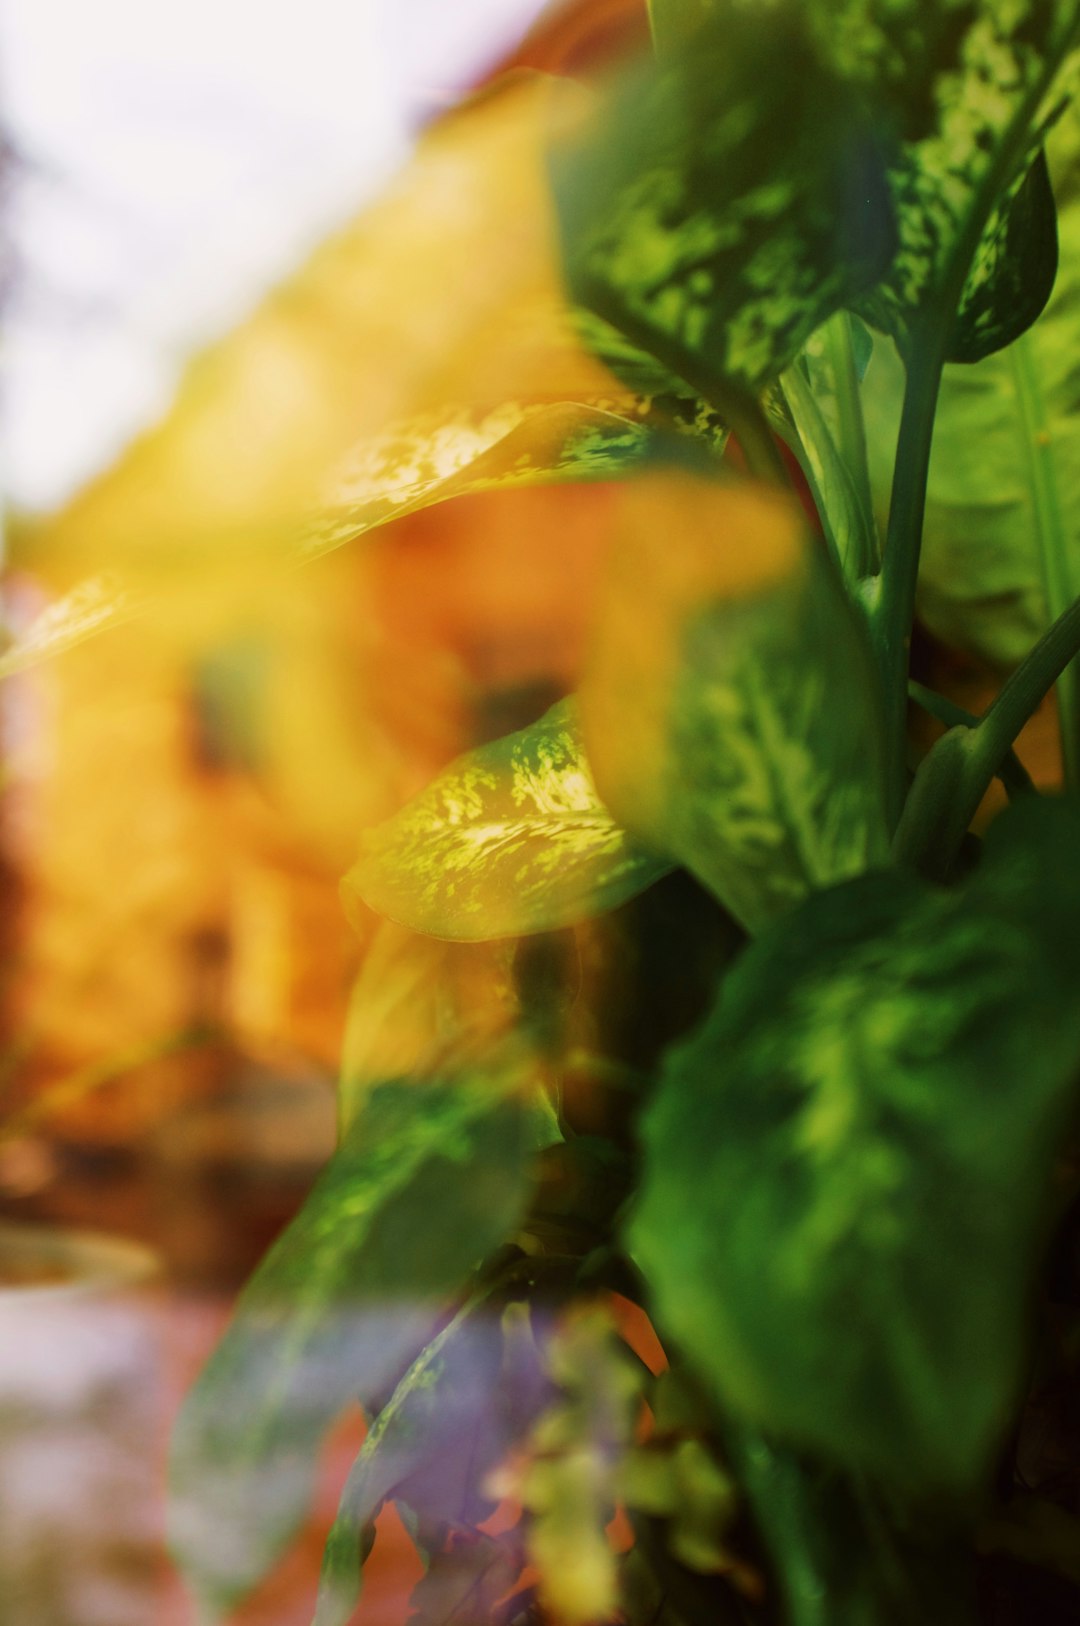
[[176, 159]]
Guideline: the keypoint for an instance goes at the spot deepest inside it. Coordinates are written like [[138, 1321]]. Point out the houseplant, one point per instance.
[[701, 993]]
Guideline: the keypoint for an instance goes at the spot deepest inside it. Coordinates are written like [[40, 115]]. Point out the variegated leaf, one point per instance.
[[463, 451], [510, 839], [940, 107], [723, 202], [430, 459], [849, 1165], [343, 1302], [1001, 542], [962, 93], [569, 1482], [730, 708]]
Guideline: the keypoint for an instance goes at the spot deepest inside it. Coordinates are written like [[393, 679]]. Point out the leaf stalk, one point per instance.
[[955, 775], [894, 610]]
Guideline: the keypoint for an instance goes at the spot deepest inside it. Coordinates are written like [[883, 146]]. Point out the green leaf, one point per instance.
[[848, 1167], [947, 106], [1001, 545], [846, 517], [341, 1304], [512, 838], [1015, 266], [840, 1558], [724, 201], [730, 706], [962, 95]]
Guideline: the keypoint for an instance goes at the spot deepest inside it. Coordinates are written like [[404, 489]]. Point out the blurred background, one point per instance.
[[214, 279]]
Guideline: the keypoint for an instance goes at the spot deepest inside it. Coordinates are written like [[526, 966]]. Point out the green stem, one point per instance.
[[1028, 686], [1051, 538], [894, 609], [1012, 773], [75, 1087], [955, 775]]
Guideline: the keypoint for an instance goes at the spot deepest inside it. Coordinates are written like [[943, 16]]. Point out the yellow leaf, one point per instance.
[[439, 305]]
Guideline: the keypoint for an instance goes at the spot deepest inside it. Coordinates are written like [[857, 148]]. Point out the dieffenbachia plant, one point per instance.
[[700, 992]]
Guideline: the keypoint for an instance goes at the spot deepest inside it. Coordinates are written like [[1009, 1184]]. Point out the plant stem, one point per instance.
[[894, 610], [72, 1089], [955, 775], [1028, 686], [751, 429], [1012, 773]]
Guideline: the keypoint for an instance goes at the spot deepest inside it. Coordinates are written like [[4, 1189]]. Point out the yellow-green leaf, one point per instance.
[[730, 707], [458, 452], [722, 202], [570, 1484], [512, 838], [962, 95]]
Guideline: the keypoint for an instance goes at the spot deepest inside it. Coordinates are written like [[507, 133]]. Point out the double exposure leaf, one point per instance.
[[428, 332], [457, 1412], [342, 1303]]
